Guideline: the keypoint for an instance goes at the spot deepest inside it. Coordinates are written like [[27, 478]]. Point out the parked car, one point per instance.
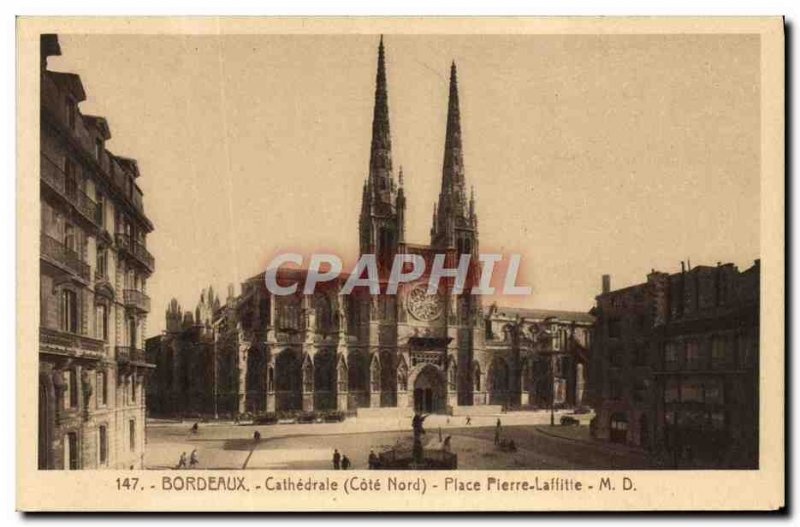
[[269, 418], [567, 420]]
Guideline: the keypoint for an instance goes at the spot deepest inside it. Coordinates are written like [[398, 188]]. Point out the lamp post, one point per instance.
[[552, 391]]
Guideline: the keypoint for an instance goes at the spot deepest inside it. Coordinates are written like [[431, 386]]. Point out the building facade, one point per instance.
[[675, 365], [94, 268], [343, 352]]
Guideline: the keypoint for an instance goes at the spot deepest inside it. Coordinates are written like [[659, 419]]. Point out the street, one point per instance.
[[310, 446]]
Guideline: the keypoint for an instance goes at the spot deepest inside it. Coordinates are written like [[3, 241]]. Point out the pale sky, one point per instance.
[[589, 154]]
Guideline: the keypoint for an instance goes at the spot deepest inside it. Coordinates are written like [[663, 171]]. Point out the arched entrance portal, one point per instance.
[[429, 391]]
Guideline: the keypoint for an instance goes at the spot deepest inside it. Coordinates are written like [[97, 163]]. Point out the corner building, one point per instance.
[[94, 267], [676, 366], [371, 353]]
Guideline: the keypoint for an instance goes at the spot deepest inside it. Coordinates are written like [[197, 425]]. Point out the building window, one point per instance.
[[71, 392], [100, 210], [69, 311], [132, 434], [71, 454], [721, 353], [102, 263], [692, 392], [70, 178], [101, 321], [102, 388], [133, 390], [69, 237], [671, 391], [98, 148], [694, 355], [671, 356], [103, 445]]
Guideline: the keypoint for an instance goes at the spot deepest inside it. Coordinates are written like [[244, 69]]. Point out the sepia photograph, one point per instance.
[[533, 260]]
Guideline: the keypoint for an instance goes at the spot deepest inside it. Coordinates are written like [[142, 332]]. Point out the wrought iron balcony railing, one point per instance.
[[70, 343], [60, 254], [137, 300], [128, 354], [135, 249], [55, 178]]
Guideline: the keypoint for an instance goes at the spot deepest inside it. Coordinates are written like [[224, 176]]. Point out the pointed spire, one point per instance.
[[453, 161], [380, 161], [400, 177], [453, 205]]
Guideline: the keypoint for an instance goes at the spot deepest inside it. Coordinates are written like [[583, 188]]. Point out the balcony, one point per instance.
[[136, 250], [136, 300], [59, 254], [130, 355], [54, 177], [71, 344]]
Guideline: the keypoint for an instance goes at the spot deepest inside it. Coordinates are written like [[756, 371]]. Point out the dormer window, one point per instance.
[[98, 148]]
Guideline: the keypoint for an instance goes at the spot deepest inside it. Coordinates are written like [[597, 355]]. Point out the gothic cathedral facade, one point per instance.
[[413, 351]]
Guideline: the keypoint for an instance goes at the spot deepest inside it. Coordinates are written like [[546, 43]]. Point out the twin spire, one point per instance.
[[380, 190]]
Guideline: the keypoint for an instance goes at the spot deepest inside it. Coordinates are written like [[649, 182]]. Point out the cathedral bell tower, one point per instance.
[[455, 224], [381, 223]]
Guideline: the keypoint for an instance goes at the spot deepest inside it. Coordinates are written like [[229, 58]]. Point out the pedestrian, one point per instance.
[[182, 461], [469, 420], [336, 458], [446, 444], [257, 436], [193, 460], [195, 428], [345, 462], [440, 434], [372, 460], [497, 433]]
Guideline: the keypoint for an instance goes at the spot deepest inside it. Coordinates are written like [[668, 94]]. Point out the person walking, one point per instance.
[[195, 428], [372, 461], [182, 461], [193, 459], [257, 436], [336, 459], [497, 432], [345, 462], [469, 420]]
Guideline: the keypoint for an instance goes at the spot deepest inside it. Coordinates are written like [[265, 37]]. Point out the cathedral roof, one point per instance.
[[541, 314]]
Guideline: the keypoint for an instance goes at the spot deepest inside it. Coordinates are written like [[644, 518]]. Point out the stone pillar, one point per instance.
[[241, 406], [342, 375], [270, 384], [308, 383], [375, 381]]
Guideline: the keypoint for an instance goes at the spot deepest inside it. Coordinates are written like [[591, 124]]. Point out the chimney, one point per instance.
[[606, 283]]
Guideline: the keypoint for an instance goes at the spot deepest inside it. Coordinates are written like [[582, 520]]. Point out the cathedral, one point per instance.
[[257, 353]]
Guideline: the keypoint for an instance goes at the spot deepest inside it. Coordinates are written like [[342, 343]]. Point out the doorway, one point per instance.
[[429, 391]]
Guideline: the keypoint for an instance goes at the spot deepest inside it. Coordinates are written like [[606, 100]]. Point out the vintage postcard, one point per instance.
[[387, 264]]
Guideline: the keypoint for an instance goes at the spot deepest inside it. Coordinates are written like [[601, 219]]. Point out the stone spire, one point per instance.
[[381, 223], [380, 158], [453, 206]]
